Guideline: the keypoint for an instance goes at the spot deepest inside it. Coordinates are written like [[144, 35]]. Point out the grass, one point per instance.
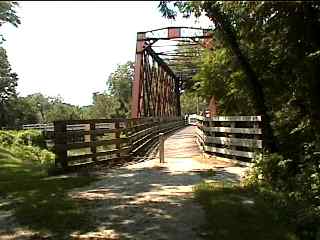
[[38, 202], [235, 212]]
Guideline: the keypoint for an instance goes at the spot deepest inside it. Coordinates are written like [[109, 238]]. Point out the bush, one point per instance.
[[27, 145], [32, 153], [295, 183], [7, 138], [35, 137], [23, 137]]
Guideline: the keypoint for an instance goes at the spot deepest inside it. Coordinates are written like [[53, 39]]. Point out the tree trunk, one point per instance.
[[222, 23]]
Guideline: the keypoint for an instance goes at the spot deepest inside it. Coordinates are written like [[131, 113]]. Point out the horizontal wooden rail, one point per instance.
[[98, 154], [230, 136], [83, 142], [71, 146], [234, 141], [232, 130], [231, 118]]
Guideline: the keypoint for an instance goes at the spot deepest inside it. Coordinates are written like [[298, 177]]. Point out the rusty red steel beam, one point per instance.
[[138, 77], [155, 90]]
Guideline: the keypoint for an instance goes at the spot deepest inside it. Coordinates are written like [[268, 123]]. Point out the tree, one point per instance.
[[223, 24], [40, 105], [115, 101], [191, 103], [8, 79], [22, 112], [8, 84], [37, 108], [104, 106], [275, 44], [119, 84], [8, 14]]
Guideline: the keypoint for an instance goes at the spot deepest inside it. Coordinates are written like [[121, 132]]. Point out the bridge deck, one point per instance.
[[181, 153], [149, 200], [182, 144]]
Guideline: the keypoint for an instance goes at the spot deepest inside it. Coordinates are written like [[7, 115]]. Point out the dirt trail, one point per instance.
[[149, 200]]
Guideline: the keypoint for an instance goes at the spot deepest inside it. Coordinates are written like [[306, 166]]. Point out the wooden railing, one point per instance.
[[48, 129], [117, 139], [230, 136], [38, 126]]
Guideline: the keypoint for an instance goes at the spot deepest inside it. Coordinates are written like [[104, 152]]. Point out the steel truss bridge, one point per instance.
[[164, 65], [166, 60]]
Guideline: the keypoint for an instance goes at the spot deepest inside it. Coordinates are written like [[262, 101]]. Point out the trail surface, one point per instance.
[[149, 200]]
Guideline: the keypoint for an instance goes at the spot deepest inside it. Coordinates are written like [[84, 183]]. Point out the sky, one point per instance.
[[70, 48]]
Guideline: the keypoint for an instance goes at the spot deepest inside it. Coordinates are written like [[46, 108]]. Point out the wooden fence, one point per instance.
[[235, 136], [119, 139], [39, 126]]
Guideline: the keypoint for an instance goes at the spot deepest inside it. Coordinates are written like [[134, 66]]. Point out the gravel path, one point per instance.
[[149, 200]]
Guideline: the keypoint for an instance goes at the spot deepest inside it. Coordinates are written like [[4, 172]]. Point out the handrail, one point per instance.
[[230, 136], [89, 146]]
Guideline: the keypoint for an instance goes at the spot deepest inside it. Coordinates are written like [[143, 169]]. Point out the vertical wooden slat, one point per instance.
[[230, 135], [233, 125], [256, 126], [93, 148], [129, 133], [149, 127], [161, 147], [60, 140], [117, 135], [87, 137]]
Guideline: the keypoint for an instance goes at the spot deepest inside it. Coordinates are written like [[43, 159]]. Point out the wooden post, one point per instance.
[[256, 126], [204, 123], [117, 136], [161, 147], [87, 137], [60, 143], [132, 130], [93, 147], [128, 134], [233, 125]]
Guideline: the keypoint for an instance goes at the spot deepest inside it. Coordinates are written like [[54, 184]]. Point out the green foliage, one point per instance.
[[62, 111], [39, 105], [8, 14], [36, 201], [220, 76], [34, 137], [235, 212], [270, 49], [8, 79], [115, 102], [33, 153], [37, 108], [190, 103], [119, 84], [24, 137], [296, 183], [104, 106], [26, 145], [8, 84], [7, 138], [40, 203], [45, 207]]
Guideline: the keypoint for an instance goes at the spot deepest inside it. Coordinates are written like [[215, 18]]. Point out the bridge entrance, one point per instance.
[[164, 66]]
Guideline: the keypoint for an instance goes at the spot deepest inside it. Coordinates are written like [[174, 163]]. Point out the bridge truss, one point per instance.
[[164, 65]]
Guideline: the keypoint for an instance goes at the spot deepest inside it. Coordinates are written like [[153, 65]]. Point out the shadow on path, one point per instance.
[[150, 202]]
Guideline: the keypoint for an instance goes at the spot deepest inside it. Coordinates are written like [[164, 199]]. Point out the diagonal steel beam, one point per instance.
[[160, 61]]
